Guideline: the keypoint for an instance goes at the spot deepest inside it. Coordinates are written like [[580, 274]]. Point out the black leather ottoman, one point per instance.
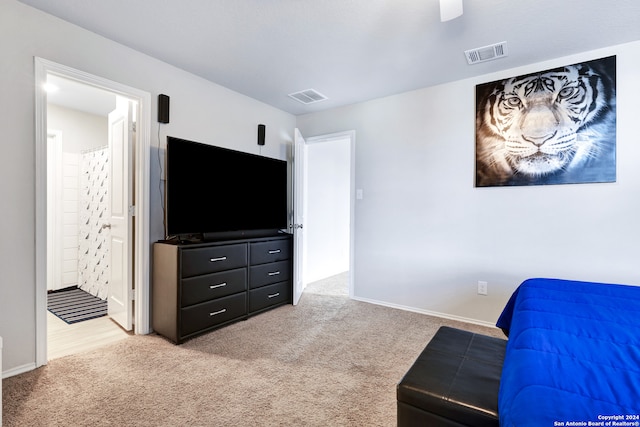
[[454, 381]]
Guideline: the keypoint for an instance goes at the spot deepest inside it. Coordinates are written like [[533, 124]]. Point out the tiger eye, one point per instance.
[[513, 101], [567, 92]]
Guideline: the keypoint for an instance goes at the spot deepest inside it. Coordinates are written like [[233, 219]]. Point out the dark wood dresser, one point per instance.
[[198, 287]]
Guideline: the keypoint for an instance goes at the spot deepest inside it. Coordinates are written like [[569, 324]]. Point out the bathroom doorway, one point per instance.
[[80, 175], [124, 228]]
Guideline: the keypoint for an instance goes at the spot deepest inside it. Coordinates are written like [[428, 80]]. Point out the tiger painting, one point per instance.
[[552, 127]]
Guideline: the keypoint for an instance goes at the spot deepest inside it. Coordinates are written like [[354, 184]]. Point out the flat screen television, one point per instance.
[[216, 192]]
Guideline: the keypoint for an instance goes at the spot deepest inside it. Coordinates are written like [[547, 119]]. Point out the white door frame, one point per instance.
[[351, 137], [44, 67]]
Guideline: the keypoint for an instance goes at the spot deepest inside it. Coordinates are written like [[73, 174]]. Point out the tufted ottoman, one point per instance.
[[454, 381]]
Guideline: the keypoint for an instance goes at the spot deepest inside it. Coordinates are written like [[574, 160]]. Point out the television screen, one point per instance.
[[217, 190]]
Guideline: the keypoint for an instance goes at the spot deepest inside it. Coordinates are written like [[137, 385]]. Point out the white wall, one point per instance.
[[200, 110], [327, 214], [424, 235], [80, 130]]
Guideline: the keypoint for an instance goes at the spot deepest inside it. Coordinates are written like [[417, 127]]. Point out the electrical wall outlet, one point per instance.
[[482, 287]]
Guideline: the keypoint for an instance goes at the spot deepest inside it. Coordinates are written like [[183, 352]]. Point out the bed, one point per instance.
[[573, 355]]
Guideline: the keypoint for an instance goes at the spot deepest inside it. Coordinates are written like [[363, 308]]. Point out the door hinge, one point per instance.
[[132, 211], [132, 294]]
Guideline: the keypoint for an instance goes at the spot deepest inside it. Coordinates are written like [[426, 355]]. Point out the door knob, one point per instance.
[[106, 226]]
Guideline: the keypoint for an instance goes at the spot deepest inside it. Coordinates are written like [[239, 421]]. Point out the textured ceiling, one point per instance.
[[348, 50]]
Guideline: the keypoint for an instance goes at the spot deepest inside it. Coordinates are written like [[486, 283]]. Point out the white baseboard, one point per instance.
[[18, 370], [427, 312]]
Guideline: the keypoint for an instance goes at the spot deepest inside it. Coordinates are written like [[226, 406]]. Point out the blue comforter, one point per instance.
[[573, 355]]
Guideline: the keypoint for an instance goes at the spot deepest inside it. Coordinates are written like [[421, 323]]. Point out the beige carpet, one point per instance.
[[329, 361]]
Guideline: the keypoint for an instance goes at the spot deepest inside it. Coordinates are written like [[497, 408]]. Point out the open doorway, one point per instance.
[[79, 169], [328, 204], [107, 233]]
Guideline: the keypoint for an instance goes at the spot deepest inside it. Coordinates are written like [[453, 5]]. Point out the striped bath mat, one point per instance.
[[75, 305]]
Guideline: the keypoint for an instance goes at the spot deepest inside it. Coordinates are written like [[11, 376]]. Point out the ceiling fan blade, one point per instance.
[[450, 9]]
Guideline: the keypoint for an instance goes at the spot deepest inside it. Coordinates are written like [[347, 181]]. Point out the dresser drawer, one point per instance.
[[265, 274], [212, 313], [215, 285], [273, 250], [216, 258], [266, 296]]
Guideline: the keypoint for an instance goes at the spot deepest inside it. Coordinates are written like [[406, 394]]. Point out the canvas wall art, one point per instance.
[[556, 126]]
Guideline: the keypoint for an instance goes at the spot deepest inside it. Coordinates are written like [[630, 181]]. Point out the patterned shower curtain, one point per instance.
[[93, 256]]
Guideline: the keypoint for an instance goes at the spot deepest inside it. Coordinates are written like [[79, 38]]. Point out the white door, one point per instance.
[[119, 222], [298, 215]]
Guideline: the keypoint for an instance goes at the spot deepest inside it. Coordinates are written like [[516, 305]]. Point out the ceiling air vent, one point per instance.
[[486, 53], [308, 96]]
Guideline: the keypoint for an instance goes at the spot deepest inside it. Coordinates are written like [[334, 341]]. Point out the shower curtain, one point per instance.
[[93, 256]]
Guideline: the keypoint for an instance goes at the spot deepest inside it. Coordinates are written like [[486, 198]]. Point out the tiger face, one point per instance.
[[541, 124]]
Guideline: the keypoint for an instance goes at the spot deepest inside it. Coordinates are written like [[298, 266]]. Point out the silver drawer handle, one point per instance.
[[218, 312], [275, 251], [273, 273], [277, 294], [222, 258], [217, 286]]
